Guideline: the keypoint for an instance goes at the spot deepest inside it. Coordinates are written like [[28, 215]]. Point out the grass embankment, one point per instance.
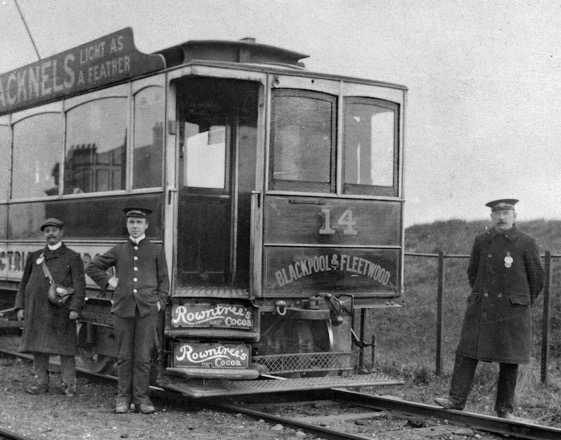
[[406, 337]]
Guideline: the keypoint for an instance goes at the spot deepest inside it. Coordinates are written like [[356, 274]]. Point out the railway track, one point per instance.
[[347, 414]]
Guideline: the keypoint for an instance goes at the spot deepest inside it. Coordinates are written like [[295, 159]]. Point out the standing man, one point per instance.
[[141, 289], [50, 329], [506, 276]]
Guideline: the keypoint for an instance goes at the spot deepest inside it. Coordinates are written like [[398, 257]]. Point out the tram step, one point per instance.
[[218, 388], [216, 373], [205, 333]]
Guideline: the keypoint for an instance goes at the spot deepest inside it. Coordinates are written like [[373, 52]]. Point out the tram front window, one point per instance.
[[302, 140], [370, 147]]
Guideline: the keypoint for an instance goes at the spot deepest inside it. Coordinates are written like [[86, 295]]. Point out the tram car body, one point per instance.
[[276, 192]]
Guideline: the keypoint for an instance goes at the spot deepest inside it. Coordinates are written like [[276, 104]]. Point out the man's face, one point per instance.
[[52, 235], [503, 219], [136, 226]]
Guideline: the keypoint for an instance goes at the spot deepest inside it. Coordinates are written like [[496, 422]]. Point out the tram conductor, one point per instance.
[[506, 276], [50, 322], [141, 286]]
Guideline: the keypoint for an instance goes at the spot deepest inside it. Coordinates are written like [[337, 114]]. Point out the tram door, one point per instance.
[[217, 134]]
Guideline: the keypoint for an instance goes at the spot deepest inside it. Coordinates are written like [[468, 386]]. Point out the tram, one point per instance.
[[276, 192]]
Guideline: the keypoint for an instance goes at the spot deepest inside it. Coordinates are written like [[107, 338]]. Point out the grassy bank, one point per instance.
[[406, 337]]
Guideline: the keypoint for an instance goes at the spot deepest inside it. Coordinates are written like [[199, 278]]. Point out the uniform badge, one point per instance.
[[40, 259], [508, 260]]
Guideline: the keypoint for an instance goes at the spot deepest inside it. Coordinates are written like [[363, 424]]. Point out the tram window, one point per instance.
[[148, 138], [5, 164], [303, 133], [205, 164], [37, 151], [96, 147], [370, 147]]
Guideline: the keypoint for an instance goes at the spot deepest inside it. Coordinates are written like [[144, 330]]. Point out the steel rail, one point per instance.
[[10, 435], [496, 425], [293, 423]]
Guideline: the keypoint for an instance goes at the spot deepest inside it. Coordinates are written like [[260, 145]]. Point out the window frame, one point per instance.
[[130, 154], [304, 185], [372, 190]]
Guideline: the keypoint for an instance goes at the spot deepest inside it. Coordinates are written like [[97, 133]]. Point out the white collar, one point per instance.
[[54, 247], [138, 240]]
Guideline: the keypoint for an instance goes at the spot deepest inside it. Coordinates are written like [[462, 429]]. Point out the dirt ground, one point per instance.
[[89, 414]]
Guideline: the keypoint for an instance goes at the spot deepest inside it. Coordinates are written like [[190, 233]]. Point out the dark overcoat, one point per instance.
[[506, 276], [47, 328], [143, 277]]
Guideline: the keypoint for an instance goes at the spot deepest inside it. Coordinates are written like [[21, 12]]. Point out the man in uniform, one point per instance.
[[506, 276], [49, 329], [141, 287]]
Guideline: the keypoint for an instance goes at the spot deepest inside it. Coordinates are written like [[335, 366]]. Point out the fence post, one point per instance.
[[439, 313], [546, 318]]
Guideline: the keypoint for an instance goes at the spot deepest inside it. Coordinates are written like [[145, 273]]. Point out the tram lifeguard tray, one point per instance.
[[217, 388]]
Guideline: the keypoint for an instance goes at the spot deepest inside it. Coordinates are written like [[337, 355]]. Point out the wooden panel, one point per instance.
[[301, 220], [211, 355], [300, 270]]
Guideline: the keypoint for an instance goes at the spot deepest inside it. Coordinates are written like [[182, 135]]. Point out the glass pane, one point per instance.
[[37, 151], [205, 164], [4, 164], [302, 139], [96, 147], [148, 138], [369, 144]]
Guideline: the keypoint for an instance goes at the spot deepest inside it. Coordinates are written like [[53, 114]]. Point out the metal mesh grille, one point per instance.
[[305, 362]]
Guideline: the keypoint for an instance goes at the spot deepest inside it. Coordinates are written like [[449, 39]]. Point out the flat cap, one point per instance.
[[137, 212], [498, 205], [52, 222]]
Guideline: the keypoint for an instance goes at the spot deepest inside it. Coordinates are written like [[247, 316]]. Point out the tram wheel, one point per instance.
[[87, 351]]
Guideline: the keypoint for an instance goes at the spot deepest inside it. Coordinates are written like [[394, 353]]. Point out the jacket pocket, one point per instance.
[[522, 300], [473, 296]]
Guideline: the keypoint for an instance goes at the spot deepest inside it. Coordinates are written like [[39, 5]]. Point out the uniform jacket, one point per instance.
[[506, 276], [47, 328], [142, 273]]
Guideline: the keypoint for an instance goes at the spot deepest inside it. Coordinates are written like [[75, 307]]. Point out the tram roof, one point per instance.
[[246, 51]]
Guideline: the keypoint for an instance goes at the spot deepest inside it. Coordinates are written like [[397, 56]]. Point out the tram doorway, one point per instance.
[[218, 141]]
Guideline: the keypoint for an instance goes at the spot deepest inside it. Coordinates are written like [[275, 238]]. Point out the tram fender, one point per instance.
[[314, 315]]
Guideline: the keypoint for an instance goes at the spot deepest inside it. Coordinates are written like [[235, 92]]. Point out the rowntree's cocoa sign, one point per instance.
[[101, 62]]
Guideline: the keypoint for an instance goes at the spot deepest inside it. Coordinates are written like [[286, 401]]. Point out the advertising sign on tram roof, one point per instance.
[[107, 60]]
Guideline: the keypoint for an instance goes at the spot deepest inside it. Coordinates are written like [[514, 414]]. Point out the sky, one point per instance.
[[484, 77]]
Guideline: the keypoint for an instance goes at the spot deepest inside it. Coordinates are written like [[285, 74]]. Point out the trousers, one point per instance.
[[67, 368], [462, 380], [135, 340]]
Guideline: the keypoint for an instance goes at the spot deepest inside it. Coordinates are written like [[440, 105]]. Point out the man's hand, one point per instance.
[[20, 315], [73, 315], [113, 282]]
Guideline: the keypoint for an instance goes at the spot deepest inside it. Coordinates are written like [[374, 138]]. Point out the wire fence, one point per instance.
[[426, 329]]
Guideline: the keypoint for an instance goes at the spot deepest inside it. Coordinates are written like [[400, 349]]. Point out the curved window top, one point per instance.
[[148, 138], [96, 141], [370, 147], [37, 152], [302, 141]]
